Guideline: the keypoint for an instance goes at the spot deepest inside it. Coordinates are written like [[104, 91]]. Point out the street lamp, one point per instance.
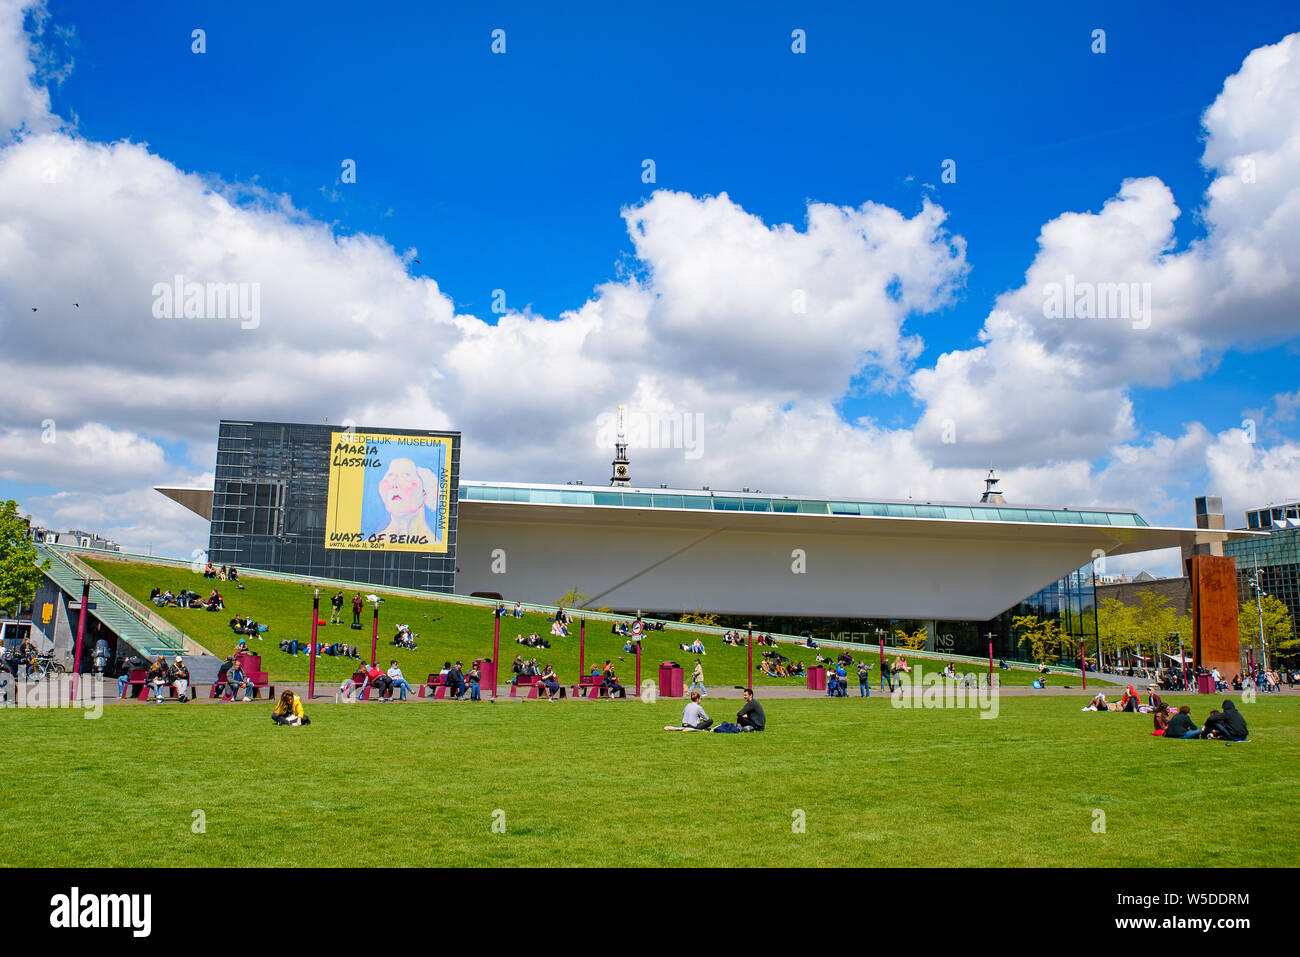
[[311, 649], [1259, 607]]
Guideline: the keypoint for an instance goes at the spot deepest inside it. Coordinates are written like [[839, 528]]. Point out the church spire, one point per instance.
[[622, 472], [991, 493]]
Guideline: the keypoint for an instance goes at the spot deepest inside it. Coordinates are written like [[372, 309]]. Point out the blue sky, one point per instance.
[[510, 171], [532, 154]]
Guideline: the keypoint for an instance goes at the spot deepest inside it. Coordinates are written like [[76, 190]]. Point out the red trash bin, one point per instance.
[[1205, 684], [816, 678], [670, 679], [487, 671]]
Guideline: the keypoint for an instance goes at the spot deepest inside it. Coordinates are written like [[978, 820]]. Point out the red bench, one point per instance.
[[138, 677], [535, 685], [525, 681], [258, 679], [586, 684], [436, 683]]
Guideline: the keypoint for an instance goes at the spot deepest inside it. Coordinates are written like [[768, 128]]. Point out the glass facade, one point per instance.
[[269, 502], [1278, 559], [1072, 600], [742, 502]]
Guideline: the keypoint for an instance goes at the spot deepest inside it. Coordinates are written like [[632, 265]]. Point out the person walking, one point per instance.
[[697, 679], [336, 616]]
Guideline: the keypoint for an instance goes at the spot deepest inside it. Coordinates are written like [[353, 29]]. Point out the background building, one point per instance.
[[309, 499], [1276, 555]]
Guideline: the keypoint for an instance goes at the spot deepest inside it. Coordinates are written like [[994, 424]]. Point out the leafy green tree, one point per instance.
[[572, 598], [20, 573], [913, 641], [1279, 630], [1042, 635], [699, 617]]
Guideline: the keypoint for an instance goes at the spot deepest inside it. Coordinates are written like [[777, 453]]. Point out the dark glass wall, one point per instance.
[[269, 501], [1071, 600]]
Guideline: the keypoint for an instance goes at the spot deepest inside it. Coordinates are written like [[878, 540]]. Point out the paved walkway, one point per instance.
[[325, 692]]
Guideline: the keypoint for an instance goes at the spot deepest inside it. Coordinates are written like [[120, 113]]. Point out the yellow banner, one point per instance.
[[389, 492]]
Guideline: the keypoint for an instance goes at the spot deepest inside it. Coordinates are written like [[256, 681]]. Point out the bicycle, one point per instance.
[[43, 666]]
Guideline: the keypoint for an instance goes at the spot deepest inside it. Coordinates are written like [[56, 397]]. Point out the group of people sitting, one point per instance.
[[187, 599], [502, 612], [749, 718], [225, 573], [334, 649], [545, 675], [232, 679], [532, 641], [777, 665], [696, 647], [246, 626], [405, 638], [160, 677], [1129, 701], [1226, 725], [608, 679]]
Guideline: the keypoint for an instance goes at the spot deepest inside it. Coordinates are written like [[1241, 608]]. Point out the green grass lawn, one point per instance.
[[600, 784], [463, 633]]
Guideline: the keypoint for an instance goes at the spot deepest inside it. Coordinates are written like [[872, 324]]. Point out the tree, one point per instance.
[[20, 572], [572, 598], [1279, 630], [1042, 635], [914, 641], [699, 617]]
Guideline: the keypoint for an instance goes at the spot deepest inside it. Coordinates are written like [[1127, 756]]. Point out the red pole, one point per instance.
[[882, 658], [582, 649], [496, 651], [374, 638], [750, 682], [1083, 672], [311, 650], [637, 646], [81, 635], [1182, 661]]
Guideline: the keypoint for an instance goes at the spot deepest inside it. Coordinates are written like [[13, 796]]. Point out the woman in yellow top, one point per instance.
[[288, 710]]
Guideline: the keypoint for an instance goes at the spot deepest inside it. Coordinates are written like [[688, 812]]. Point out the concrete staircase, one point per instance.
[[132, 621]]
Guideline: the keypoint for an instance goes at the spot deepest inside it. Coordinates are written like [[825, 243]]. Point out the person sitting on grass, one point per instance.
[[693, 716], [550, 682], [288, 710], [1130, 701], [1226, 725], [1160, 718], [750, 717], [1180, 726], [1098, 703]]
